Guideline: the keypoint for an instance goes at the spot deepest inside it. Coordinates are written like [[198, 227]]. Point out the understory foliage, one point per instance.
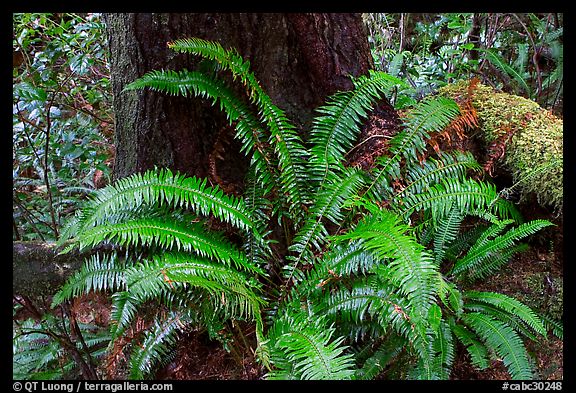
[[369, 274]]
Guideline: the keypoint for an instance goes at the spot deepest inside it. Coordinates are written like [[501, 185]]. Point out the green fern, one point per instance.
[[338, 189], [508, 305], [161, 187], [504, 341], [309, 351], [482, 258], [99, 273], [477, 350], [156, 347], [411, 268], [337, 127], [354, 272], [288, 146]]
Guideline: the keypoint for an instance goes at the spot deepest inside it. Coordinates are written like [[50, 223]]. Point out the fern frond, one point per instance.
[[98, 273], [338, 189], [444, 348], [337, 126], [257, 249], [508, 305], [249, 129], [451, 297], [238, 292], [124, 309], [380, 178], [552, 324], [477, 350], [463, 242], [419, 177], [284, 138], [170, 235], [467, 194], [373, 299], [162, 187], [485, 247], [429, 115], [504, 341], [156, 347], [411, 267], [339, 261], [380, 359], [308, 349], [446, 231]]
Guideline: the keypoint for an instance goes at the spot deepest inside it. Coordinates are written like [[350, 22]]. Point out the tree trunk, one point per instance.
[[299, 59]]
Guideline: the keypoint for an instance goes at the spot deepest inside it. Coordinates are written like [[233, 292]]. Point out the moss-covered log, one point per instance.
[[529, 139], [39, 269]]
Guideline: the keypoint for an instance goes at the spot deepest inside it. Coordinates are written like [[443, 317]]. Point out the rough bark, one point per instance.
[[299, 59]]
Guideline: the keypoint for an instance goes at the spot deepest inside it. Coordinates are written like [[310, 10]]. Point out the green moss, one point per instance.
[[534, 154]]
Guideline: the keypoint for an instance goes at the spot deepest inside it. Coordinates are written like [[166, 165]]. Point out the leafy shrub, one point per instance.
[[61, 114]]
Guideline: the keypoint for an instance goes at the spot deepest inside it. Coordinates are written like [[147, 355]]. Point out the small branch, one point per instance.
[[38, 268]]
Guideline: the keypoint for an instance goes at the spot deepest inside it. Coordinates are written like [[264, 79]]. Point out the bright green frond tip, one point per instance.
[[163, 188]]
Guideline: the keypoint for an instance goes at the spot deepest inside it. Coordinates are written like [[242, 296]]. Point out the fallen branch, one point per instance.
[[39, 269]]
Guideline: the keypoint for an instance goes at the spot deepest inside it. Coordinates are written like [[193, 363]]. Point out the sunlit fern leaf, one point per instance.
[[478, 352], [504, 341], [491, 242], [284, 137], [508, 305], [98, 273], [337, 126], [467, 194], [338, 188], [307, 347], [411, 267], [157, 345], [162, 187], [448, 165], [445, 232], [171, 234]]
